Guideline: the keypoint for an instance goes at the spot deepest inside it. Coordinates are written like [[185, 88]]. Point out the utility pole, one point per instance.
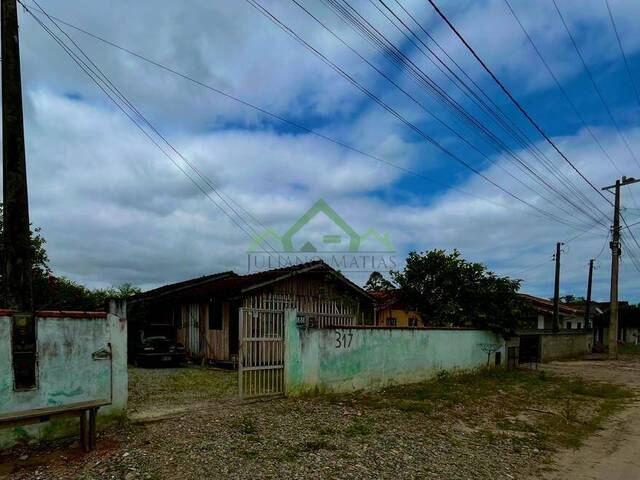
[[587, 310], [616, 251], [556, 292], [17, 235], [17, 248]]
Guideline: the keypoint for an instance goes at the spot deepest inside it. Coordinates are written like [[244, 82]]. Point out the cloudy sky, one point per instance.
[[114, 208]]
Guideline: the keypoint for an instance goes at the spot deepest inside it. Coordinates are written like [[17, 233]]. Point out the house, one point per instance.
[[538, 340], [204, 313], [628, 323], [393, 311], [538, 314]]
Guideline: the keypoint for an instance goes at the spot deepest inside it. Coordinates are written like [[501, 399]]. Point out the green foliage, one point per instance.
[[573, 299], [377, 283], [449, 291], [60, 293]]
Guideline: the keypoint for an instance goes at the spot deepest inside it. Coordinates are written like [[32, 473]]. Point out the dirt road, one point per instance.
[[612, 453]]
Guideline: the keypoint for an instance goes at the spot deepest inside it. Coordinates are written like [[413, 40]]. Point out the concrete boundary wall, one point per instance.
[[360, 358], [72, 367], [556, 346]]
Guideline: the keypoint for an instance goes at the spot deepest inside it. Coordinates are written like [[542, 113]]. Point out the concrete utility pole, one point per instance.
[[17, 236], [556, 291], [587, 309], [616, 251], [17, 247]]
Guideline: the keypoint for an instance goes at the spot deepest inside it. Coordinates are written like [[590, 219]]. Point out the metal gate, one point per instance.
[[261, 358]]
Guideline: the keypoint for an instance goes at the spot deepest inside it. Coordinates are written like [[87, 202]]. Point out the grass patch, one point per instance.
[[532, 408], [358, 428], [629, 349], [315, 445]]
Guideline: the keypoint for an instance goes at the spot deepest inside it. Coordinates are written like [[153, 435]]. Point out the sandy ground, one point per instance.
[[612, 453]]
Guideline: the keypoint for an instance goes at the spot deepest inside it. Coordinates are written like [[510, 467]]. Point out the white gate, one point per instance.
[[261, 322], [261, 362]]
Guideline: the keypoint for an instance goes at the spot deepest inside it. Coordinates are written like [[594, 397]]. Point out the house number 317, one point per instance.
[[343, 340]]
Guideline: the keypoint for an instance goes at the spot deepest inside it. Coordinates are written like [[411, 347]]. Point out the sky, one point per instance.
[[113, 208]]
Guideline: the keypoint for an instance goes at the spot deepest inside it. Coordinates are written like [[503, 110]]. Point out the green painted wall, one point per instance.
[[67, 373], [344, 360]]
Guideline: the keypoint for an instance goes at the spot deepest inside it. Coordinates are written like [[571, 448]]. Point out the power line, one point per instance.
[[498, 114], [388, 108], [560, 87], [102, 81], [398, 58], [423, 107], [593, 82], [622, 52], [514, 101], [603, 246], [268, 113]]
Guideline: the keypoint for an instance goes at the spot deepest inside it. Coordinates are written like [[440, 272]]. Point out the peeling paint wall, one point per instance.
[[349, 359], [67, 371]]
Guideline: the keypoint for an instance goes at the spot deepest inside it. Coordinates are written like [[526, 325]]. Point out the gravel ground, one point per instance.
[[326, 437]]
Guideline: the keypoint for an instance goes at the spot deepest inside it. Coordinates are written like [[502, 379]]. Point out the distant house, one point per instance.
[[538, 314], [538, 340], [628, 322], [203, 313], [393, 311]]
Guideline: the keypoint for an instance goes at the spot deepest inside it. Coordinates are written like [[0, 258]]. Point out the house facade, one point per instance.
[[204, 313], [539, 342], [393, 311], [538, 314]]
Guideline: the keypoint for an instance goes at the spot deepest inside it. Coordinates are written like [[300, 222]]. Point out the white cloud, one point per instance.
[[113, 209]]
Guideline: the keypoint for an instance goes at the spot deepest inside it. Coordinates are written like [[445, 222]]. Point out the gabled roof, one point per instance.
[[546, 306], [185, 284], [232, 285]]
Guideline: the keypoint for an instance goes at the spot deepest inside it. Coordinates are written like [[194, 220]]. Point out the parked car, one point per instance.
[[159, 350]]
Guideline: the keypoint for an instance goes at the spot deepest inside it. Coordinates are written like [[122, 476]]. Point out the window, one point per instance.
[[215, 315], [24, 351], [568, 325], [392, 322], [413, 322], [579, 325]]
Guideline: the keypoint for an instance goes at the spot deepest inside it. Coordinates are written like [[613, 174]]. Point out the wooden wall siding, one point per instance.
[[217, 347]]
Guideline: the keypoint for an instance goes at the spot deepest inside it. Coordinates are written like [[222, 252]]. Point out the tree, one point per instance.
[[377, 283], [449, 291], [60, 293], [39, 258], [572, 299]]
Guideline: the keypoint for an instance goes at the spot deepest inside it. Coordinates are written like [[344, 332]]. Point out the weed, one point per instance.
[[315, 445], [247, 425], [326, 431], [358, 427]]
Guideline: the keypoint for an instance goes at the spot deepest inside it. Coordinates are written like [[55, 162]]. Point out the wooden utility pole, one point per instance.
[[17, 247], [616, 251], [556, 292], [587, 309]]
